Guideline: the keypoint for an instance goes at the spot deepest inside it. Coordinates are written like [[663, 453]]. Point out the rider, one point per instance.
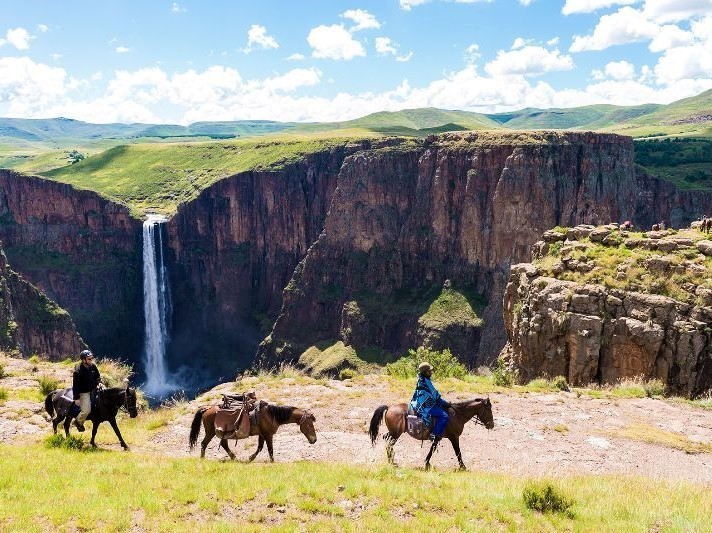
[[86, 378], [428, 403]]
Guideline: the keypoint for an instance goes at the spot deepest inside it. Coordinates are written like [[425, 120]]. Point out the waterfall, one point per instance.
[[156, 307]]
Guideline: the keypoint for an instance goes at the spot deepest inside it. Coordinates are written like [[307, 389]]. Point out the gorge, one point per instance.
[[352, 243]]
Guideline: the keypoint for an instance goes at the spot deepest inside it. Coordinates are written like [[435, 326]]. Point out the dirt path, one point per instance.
[[535, 434]]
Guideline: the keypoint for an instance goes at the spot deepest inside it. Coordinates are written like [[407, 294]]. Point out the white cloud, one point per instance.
[[296, 57], [28, 87], [472, 54], [257, 37], [626, 25], [526, 3], [553, 42], [384, 46], [519, 42], [334, 42], [56, 56], [122, 49], [528, 61], [362, 19], [407, 5], [42, 28], [670, 36], [19, 38], [676, 10], [616, 70], [177, 8], [589, 6]]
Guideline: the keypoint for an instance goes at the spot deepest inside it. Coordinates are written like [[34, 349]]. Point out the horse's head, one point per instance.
[[484, 413], [306, 426], [130, 401]]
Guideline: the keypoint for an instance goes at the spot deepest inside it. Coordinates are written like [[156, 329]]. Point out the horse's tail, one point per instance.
[[376, 422], [48, 404], [195, 427]]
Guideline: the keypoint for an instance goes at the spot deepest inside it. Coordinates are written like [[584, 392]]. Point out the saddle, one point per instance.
[[65, 403], [232, 420], [415, 426]]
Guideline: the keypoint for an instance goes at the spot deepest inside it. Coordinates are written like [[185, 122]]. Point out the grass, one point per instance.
[[329, 358], [452, 307], [653, 435], [3, 395], [162, 494], [48, 384], [160, 176], [547, 498]]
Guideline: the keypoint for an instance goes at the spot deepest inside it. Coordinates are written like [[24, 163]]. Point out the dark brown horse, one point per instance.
[[268, 421], [460, 413]]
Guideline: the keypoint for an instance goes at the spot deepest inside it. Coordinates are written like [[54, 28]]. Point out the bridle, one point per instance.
[[126, 405], [307, 414], [475, 418]]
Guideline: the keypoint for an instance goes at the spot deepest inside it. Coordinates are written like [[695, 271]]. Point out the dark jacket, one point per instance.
[[85, 379]]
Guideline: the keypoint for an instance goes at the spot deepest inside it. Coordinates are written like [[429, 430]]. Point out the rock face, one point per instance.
[[81, 250], [233, 249], [599, 333], [31, 323], [460, 207]]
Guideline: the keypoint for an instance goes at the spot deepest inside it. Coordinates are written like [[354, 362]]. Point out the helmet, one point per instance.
[[424, 366], [85, 354]]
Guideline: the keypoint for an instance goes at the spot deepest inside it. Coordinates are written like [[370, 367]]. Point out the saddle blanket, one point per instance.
[[415, 426]]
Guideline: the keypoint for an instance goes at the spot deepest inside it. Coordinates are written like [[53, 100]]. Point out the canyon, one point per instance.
[[352, 243]]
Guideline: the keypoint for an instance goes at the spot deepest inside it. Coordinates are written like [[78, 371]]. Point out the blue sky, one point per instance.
[[165, 61]]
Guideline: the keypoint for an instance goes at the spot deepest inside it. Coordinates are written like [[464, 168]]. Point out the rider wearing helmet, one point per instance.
[[428, 403], [86, 378]]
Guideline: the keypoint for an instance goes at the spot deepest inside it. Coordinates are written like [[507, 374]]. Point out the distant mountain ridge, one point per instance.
[[687, 117]]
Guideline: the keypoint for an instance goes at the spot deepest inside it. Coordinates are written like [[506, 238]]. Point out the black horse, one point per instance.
[[105, 410]]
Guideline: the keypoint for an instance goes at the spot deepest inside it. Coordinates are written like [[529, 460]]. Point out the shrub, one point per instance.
[[73, 442], [48, 384], [3, 374], [654, 387], [546, 498], [559, 382], [445, 365], [502, 375], [114, 373], [347, 373], [3, 394], [34, 359]]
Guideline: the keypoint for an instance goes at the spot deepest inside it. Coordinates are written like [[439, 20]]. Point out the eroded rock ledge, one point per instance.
[[599, 304]]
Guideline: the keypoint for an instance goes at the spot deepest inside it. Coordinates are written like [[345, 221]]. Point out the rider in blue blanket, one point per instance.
[[428, 403]]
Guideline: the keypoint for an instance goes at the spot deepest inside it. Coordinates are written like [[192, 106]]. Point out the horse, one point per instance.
[[460, 413], [107, 407], [269, 419]]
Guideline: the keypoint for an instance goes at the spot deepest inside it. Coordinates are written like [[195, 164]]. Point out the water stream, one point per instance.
[[156, 308]]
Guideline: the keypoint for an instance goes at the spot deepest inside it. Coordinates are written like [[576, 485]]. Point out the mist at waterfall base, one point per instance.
[[163, 373]]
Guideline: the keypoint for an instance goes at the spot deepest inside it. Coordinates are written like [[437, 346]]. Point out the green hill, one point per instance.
[[586, 117]]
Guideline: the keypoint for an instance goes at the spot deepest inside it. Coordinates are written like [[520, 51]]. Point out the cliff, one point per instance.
[[232, 250], [598, 305], [458, 208], [82, 251], [31, 323]]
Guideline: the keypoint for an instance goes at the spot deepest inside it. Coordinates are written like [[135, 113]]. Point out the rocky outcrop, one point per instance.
[[82, 251], [559, 322], [460, 207], [233, 249], [31, 323]]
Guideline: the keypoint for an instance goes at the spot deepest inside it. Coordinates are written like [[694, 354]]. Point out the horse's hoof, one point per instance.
[[462, 468]]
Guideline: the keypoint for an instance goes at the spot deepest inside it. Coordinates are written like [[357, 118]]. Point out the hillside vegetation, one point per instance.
[[158, 177]]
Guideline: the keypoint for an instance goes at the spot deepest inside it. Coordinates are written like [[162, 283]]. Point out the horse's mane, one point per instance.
[[465, 403], [280, 413]]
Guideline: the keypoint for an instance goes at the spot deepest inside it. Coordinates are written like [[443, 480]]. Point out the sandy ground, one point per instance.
[[523, 442]]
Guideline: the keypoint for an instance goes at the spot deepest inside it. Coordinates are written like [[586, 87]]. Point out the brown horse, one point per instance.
[[268, 421], [460, 413]]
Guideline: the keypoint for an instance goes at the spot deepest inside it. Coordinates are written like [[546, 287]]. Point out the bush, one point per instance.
[[3, 394], [559, 382], [114, 373], [3, 374], [347, 373], [34, 359], [48, 384], [546, 498], [73, 442], [445, 365], [654, 387], [502, 375]]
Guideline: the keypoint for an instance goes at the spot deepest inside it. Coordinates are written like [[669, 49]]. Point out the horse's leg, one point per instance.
[[94, 429], [67, 421], [209, 434], [260, 443], [456, 446], [223, 443], [55, 422], [430, 453], [390, 443], [115, 426], [268, 440]]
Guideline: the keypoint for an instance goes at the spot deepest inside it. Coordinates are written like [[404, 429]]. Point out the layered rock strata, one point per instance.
[[599, 305]]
